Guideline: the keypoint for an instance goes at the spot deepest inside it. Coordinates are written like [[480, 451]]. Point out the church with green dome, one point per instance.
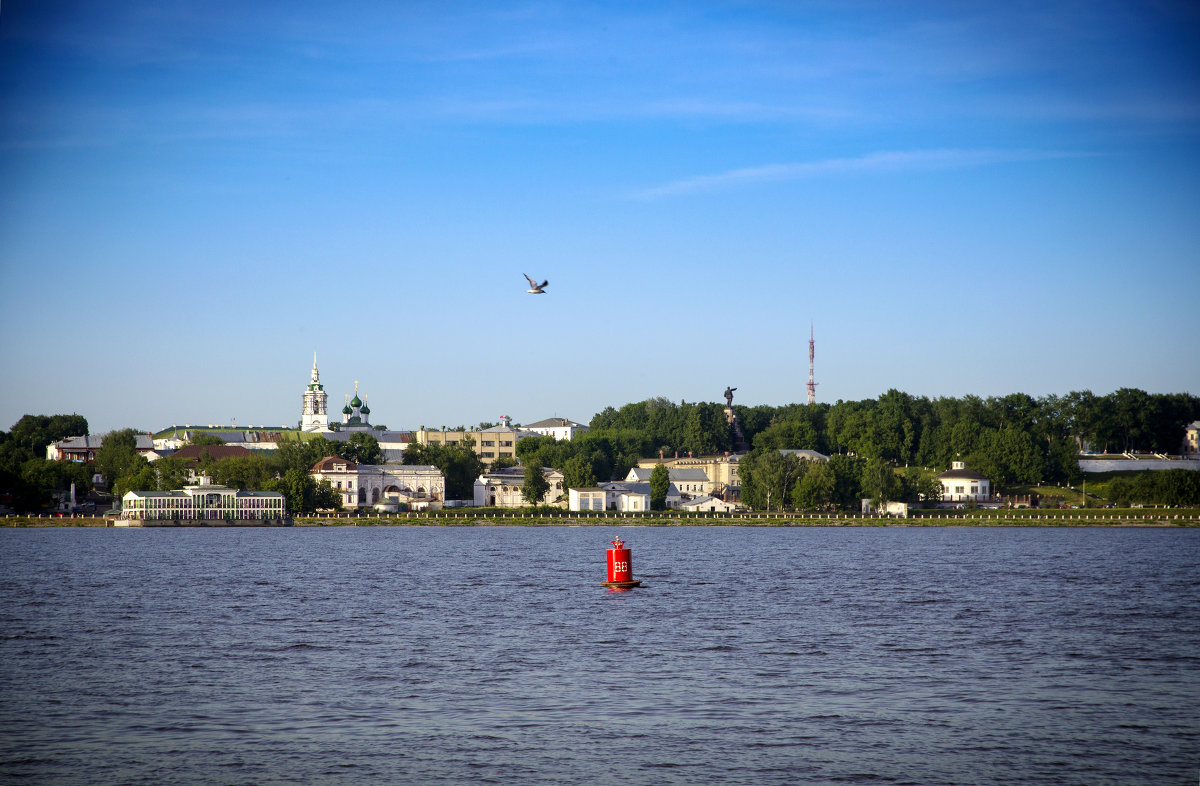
[[356, 415], [314, 417]]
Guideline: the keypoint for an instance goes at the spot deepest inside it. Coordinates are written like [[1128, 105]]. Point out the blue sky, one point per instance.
[[962, 198]]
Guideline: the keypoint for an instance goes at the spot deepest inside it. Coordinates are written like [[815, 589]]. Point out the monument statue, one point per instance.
[[729, 396]]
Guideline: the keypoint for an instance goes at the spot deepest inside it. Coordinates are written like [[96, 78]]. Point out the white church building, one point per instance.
[[356, 417]]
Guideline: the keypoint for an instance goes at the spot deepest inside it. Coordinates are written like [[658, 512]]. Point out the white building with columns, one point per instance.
[[364, 485]]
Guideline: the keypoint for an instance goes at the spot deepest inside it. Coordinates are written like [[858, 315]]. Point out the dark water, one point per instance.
[[492, 655]]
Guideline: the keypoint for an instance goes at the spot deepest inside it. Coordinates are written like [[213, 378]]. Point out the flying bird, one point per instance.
[[537, 289]]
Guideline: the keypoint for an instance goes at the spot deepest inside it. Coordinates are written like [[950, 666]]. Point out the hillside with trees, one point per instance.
[[887, 448]]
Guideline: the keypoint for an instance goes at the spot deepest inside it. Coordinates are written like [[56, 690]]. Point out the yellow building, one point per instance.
[[488, 443], [721, 468]]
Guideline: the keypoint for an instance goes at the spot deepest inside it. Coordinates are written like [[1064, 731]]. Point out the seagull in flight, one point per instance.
[[536, 288]]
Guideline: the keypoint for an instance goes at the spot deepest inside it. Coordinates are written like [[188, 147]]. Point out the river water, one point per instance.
[[492, 655]]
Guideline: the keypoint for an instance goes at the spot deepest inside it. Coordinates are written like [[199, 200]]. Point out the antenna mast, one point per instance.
[[812, 386]]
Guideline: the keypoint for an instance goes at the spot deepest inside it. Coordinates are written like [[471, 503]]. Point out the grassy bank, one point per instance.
[[980, 518], [1083, 517]]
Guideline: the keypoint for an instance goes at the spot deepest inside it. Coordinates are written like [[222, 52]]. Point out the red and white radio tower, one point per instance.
[[812, 386]]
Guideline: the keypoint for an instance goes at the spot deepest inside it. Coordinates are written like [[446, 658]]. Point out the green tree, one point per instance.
[[847, 480], [535, 486], [361, 448], [920, 485], [768, 477], [325, 498], [118, 459], [39, 478], [660, 484], [247, 473], [458, 464], [171, 473], [503, 462], [578, 472], [298, 488], [36, 432], [879, 482], [814, 490], [139, 477], [205, 439], [303, 454]]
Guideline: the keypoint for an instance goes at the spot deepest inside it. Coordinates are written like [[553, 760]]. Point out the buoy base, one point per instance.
[[621, 584]]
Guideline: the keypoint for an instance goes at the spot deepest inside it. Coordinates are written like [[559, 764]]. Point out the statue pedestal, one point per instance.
[[739, 439]]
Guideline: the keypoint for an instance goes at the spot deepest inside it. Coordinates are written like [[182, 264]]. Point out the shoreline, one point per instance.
[[1167, 518]]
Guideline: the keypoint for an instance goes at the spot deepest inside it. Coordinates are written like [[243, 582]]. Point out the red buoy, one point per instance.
[[620, 567]]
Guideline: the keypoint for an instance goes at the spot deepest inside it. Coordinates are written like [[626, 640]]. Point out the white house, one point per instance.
[[623, 497], [559, 428], [960, 484], [627, 496], [894, 509], [587, 498], [501, 488], [364, 485], [687, 480], [706, 504], [1191, 439]]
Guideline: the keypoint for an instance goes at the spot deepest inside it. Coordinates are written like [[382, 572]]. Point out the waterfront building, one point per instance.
[[628, 496], [202, 503], [501, 488], [960, 484], [587, 498], [688, 480], [721, 469], [706, 503], [364, 485], [622, 497]]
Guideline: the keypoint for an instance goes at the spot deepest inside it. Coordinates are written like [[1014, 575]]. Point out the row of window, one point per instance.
[[184, 515], [557, 486]]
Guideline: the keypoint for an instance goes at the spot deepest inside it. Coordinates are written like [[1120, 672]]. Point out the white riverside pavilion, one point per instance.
[[204, 502]]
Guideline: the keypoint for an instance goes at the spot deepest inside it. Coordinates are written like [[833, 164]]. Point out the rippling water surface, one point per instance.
[[490, 655]]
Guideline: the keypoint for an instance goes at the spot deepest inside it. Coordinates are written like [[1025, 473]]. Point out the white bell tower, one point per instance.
[[315, 414]]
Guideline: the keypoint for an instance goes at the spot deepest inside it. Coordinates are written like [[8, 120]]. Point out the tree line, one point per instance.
[[1014, 440]]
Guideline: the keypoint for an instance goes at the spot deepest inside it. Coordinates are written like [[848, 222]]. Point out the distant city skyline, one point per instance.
[[962, 199]]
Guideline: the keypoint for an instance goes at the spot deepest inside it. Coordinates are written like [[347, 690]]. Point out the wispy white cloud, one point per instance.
[[887, 161]]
